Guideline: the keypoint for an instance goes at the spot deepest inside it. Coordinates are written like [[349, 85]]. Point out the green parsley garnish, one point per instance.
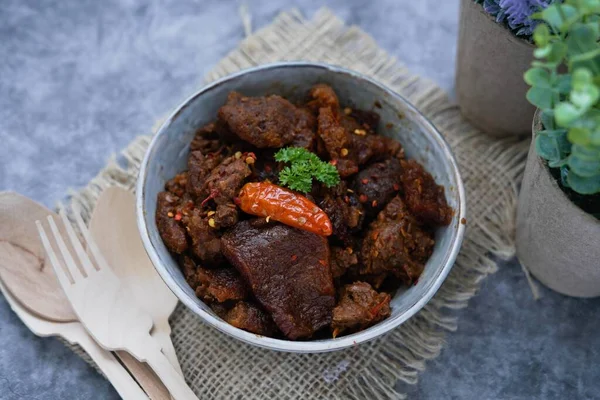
[[304, 167]]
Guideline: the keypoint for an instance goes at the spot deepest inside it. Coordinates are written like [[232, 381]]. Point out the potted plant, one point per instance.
[[558, 225], [494, 50]]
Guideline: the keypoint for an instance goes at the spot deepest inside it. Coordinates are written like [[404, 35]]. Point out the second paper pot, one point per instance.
[[557, 241]]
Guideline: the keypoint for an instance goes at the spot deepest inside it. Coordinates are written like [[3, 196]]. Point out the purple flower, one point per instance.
[[515, 13], [518, 13]]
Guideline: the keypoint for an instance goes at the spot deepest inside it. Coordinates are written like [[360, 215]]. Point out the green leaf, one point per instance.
[[305, 166], [548, 119], [558, 51], [542, 52], [565, 113], [579, 136], [327, 174], [581, 39], [584, 185], [588, 153], [585, 98], [540, 97], [297, 177], [560, 136], [595, 136], [547, 147], [558, 163], [554, 14], [563, 83], [538, 77], [584, 167], [590, 59], [541, 35]]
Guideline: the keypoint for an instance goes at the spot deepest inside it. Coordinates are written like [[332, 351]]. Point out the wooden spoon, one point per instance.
[[22, 260], [113, 227], [32, 282]]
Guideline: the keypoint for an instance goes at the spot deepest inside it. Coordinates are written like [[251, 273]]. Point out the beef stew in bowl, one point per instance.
[[298, 220], [168, 154]]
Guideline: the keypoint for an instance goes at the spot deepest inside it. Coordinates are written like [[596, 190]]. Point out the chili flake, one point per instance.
[[178, 217], [294, 257]]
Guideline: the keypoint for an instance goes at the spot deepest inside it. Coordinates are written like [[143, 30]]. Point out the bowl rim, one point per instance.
[[314, 346]]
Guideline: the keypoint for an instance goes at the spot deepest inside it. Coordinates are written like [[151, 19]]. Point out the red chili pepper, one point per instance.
[[268, 200]]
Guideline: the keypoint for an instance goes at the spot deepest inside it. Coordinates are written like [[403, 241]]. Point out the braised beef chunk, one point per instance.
[[199, 167], [288, 272], [377, 184], [366, 119], [177, 185], [220, 285], [251, 318], [206, 139], [206, 244], [323, 96], [171, 231], [270, 121], [394, 243], [188, 267], [225, 181], [359, 307], [345, 214], [336, 142], [424, 198], [342, 260], [272, 279], [226, 215], [306, 136], [350, 142]]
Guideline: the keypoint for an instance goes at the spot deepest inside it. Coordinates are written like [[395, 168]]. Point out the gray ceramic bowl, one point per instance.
[[168, 152]]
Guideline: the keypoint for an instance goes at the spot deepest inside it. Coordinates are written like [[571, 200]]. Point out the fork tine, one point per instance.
[[63, 276], [66, 254], [100, 260], [86, 264]]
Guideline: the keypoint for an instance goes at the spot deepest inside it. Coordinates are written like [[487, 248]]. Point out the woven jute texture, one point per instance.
[[219, 367]]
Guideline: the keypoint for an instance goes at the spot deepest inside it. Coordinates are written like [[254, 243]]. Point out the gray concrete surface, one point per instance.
[[80, 78]]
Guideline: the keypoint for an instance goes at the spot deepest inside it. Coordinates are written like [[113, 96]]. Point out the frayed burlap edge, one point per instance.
[[490, 170]]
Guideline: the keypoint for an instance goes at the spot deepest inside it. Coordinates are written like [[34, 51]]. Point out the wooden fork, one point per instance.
[[105, 309]]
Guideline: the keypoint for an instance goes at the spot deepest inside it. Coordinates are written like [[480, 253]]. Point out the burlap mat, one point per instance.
[[218, 367]]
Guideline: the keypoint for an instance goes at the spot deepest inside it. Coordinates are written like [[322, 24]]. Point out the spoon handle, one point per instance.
[[145, 377], [118, 376]]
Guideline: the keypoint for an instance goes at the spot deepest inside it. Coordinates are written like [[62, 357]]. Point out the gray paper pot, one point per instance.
[[556, 241], [490, 65]]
